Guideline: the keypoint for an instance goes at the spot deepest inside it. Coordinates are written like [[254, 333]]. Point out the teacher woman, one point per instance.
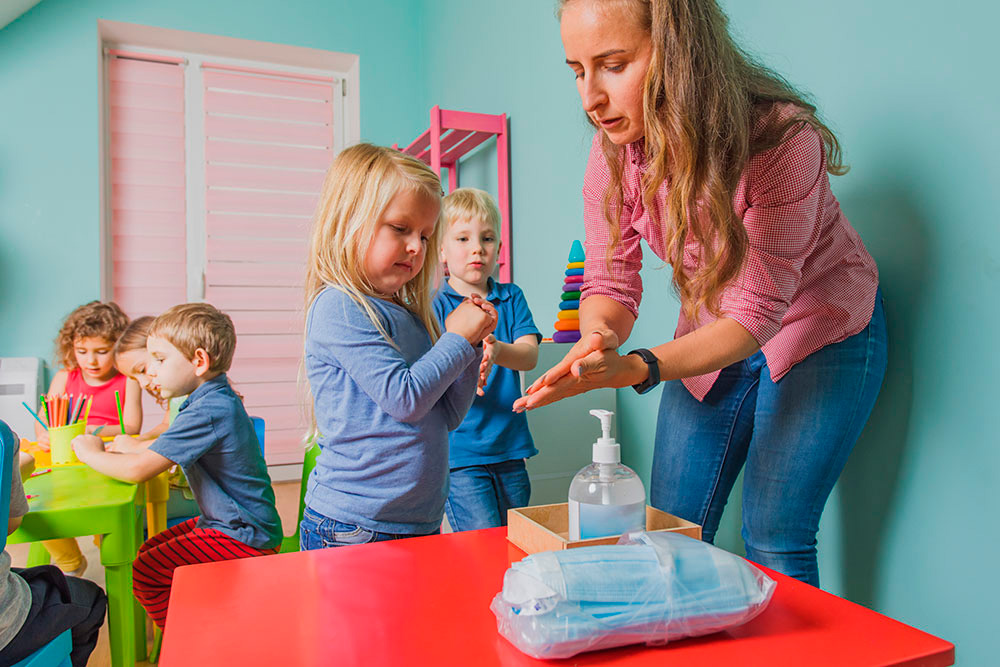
[[780, 348]]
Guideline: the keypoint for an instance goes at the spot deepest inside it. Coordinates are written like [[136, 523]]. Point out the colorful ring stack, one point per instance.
[[568, 323]]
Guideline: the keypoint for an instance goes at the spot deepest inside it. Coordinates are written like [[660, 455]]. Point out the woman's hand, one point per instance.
[[591, 363]]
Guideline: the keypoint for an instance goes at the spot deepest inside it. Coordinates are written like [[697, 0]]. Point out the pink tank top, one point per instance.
[[103, 410]]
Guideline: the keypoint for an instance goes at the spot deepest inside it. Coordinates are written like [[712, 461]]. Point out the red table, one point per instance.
[[425, 601]]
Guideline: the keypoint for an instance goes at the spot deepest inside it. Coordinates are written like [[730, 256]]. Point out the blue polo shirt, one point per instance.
[[491, 432], [214, 442]]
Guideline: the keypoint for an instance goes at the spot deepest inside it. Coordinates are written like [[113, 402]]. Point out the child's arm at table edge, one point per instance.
[[133, 407], [156, 431], [135, 467]]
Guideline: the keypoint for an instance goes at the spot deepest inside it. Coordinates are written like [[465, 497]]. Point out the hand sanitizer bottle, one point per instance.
[[606, 498]]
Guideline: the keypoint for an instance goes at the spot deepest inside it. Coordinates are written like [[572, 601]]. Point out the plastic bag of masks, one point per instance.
[[650, 588]]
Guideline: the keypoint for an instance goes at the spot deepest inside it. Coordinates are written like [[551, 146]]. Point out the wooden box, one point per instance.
[[546, 528]]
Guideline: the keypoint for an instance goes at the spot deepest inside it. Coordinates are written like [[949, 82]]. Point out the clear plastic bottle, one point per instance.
[[606, 497]]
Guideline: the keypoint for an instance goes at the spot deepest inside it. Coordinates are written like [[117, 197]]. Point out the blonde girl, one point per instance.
[[386, 386]]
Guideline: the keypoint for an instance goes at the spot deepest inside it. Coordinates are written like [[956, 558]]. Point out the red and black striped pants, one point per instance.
[[153, 570]]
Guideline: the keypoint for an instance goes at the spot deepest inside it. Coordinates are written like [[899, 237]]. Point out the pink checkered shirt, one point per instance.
[[807, 281]]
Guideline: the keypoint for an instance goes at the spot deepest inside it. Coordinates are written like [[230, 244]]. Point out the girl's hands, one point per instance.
[[472, 320], [591, 363], [486, 365]]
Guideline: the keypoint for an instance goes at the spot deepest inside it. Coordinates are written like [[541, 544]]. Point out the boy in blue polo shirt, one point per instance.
[[488, 450]]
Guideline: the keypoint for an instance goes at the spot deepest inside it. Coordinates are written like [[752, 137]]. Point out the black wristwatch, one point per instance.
[[654, 370]]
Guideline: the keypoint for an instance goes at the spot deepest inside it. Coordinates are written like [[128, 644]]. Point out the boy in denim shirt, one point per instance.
[[488, 450], [213, 440]]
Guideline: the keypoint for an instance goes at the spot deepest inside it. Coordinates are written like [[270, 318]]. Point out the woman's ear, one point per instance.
[[201, 362]]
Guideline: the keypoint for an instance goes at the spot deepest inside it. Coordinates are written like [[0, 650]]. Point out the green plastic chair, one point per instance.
[[291, 543]]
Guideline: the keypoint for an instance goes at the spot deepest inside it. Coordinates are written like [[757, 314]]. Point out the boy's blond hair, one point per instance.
[[190, 326], [358, 188], [471, 203]]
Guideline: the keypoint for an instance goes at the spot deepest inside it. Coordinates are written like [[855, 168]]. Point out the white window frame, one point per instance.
[[346, 132]]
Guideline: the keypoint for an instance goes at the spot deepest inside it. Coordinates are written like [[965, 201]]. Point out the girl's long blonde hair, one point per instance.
[[359, 185], [703, 96]]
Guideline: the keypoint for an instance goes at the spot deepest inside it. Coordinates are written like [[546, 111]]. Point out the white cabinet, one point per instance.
[[20, 380]]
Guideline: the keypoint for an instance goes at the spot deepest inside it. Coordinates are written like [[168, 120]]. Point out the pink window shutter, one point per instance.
[[147, 177], [268, 142], [148, 226]]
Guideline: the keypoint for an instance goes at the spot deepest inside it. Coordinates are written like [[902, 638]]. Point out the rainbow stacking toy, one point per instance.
[[568, 324]]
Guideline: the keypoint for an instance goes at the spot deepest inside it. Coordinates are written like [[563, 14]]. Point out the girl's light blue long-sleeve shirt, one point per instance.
[[383, 413]]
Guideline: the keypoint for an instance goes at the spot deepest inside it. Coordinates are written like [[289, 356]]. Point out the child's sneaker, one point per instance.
[[78, 572]]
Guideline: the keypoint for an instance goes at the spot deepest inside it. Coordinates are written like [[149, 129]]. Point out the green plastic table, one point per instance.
[[73, 501]]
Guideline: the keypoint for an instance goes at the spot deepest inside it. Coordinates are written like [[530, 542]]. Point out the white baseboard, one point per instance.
[[290, 472]]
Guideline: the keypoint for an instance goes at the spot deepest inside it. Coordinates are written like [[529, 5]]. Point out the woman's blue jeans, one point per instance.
[[794, 436]]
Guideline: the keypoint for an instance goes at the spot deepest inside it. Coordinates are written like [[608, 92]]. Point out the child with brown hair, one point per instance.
[[84, 349]]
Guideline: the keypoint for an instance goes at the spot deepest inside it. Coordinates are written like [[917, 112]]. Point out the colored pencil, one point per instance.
[[77, 409], [86, 410], [118, 402], [35, 415], [45, 408]]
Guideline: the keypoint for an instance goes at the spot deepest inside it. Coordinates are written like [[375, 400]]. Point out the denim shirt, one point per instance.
[[213, 440]]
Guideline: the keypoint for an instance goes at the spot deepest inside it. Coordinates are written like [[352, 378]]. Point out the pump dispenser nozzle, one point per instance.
[[606, 450]]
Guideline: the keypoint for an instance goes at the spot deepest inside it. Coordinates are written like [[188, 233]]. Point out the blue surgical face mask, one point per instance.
[[650, 588]]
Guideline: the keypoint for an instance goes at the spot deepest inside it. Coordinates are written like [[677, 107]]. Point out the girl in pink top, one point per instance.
[[780, 348], [84, 348]]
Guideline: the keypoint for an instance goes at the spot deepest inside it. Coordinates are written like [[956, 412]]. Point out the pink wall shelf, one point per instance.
[[451, 135]]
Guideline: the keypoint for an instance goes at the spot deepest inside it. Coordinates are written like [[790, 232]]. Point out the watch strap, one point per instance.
[[654, 370]]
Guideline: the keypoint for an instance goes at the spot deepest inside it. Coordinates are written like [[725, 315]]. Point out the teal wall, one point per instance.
[[910, 529], [49, 165]]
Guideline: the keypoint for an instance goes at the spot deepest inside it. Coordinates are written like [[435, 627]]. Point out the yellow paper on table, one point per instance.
[[43, 459]]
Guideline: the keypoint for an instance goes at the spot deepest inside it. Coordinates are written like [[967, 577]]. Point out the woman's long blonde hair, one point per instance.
[[359, 185], [702, 98]]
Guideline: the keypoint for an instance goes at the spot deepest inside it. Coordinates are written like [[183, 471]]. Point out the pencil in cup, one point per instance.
[[35, 415], [118, 403]]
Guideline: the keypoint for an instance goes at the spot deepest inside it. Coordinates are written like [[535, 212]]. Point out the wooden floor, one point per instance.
[[286, 495]]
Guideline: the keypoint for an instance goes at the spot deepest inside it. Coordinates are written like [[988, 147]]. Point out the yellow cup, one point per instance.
[[59, 442]]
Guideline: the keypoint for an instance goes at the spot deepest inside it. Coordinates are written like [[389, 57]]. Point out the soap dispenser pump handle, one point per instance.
[[605, 417]]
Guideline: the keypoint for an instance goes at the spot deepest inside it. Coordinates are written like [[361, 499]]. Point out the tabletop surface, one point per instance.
[[76, 486], [426, 601]]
